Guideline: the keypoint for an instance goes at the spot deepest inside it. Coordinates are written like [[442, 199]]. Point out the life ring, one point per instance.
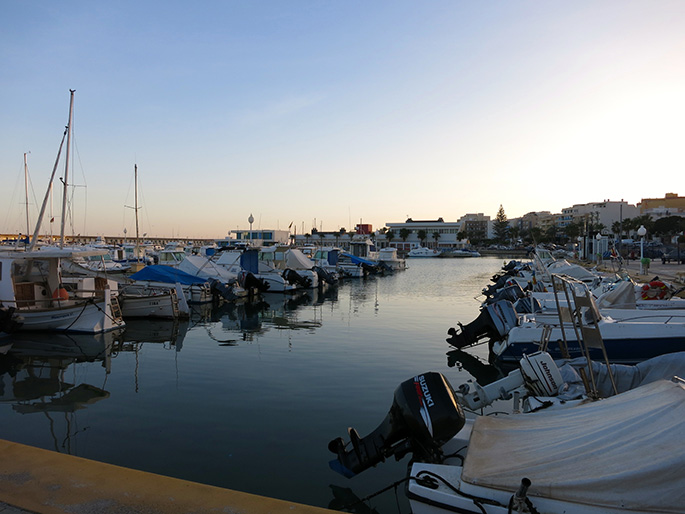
[[655, 290]]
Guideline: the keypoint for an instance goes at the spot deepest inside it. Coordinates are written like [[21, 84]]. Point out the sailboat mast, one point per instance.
[[136, 209], [66, 168], [26, 187]]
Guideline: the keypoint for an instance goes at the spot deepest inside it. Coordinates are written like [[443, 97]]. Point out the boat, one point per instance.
[[195, 289], [459, 252], [635, 335], [153, 302], [32, 284], [422, 251], [615, 452], [388, 257], [247, 266]]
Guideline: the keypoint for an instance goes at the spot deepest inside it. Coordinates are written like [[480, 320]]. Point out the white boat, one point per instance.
[[246, 263], [32, 284], [621, 454], [459, 253], [388, 257], [422, 251], [195, 289], [153, 302], [171, 255]]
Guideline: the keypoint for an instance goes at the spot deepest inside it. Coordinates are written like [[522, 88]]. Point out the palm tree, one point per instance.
[[422, 236], [389, 236], [404, 234], [436, 238]]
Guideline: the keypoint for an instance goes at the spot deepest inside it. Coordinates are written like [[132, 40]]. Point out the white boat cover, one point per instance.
[[622, 296], [204, 267], [295, 259], [624, 452]]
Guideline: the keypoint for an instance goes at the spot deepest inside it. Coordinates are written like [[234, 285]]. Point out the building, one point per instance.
[[476, 227], [605, 213], [670, 205], [258, 237], [438, 234]]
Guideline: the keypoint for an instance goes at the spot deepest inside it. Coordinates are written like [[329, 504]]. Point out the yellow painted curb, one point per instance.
[[48, 482]]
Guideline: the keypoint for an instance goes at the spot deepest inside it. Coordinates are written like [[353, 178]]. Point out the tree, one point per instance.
[[422, 235], [573, 230], [390, 235], [669, 226], [436, 238], [404, 234], [501, 226]]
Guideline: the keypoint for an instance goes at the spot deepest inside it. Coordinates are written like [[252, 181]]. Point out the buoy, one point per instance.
[[60, 293]]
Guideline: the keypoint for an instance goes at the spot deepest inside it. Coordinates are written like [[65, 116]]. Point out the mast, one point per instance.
[[66, 167], [26, 187], [135, 171]]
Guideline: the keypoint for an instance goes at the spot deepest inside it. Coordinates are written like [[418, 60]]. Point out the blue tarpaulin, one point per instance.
[[359, 260], [166, 274]]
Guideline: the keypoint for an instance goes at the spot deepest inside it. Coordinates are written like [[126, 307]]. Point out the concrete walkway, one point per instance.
[[33, 480]]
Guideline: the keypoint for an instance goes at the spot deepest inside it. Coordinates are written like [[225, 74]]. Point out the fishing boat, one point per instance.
[[32, 284]]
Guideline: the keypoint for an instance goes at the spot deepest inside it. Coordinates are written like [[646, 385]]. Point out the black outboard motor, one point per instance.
[[248, 281], [325, 276], [293, 277], [493, 322], [512, 293], [528, 305], [221, 289], [424, 415], [500, 283]]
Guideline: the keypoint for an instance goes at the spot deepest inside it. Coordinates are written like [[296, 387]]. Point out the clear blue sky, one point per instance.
[[339, 111]]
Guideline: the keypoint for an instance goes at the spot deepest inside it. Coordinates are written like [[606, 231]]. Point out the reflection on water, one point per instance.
[[483, 372], [246, 387]]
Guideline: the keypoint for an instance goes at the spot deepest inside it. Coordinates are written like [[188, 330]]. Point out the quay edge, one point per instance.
[[46, 482]]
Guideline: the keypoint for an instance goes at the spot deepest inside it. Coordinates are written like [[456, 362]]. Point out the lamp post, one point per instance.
[[580, 247], [598, 238], [250, 220], [641, 232]]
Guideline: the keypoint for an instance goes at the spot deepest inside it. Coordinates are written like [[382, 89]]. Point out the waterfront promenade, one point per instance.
[[33, 480]]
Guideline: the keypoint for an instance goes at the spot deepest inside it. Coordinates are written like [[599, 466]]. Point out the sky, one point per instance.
[[326, 114]]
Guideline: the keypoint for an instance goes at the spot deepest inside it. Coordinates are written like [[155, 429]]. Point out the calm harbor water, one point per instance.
[[246, 397]]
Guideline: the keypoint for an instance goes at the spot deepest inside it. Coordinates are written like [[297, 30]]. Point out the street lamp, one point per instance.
[[598, 237], [641, 232], [580, 247], [250, 220]]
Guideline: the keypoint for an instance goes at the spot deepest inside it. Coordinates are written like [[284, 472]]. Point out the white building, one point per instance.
[[605, 212], [438, 234]]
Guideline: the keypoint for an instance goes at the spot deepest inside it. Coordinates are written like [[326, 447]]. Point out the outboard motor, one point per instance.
[[248, 281], [221, 289], [424, 415], [503, 281], [325, 276], [493, 322], [511, 292], [528, 305], [293, 277]]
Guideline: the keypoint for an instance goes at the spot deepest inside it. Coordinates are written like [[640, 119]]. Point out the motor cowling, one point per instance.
[[424, 415], [493, 322]]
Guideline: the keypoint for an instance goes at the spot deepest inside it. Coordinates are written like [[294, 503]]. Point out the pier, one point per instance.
[[33, 480]]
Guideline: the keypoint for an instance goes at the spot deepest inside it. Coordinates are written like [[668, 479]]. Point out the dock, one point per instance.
[[33, 480]]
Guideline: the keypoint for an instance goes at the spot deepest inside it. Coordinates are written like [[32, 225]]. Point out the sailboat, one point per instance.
[[32, 284]]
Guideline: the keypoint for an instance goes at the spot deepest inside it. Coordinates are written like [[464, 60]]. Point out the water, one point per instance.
[[246, 398]]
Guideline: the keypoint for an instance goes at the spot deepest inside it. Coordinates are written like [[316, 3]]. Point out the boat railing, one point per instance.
[[578, 307]]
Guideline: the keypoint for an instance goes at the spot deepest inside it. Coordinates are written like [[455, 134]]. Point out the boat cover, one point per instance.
[[620, 297], [295, 259], [166, 274], [205, 268], [626, 452]]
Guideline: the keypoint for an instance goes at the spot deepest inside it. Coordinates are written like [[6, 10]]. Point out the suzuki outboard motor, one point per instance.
[[424, 415], [493, 322]]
